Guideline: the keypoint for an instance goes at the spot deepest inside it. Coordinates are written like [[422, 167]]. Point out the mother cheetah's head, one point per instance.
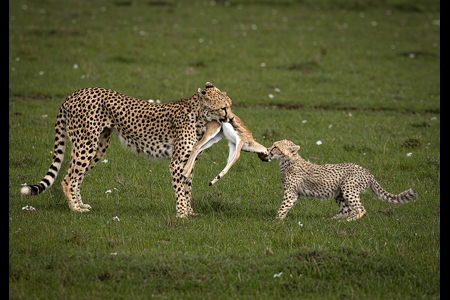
[[216, 105], [283, 150]]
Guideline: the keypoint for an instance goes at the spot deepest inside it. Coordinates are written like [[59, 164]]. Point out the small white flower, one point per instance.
[[75, 66], [263, 64], [412, 55], [24, 184], [41, 73], [277, 90], [28, 208], [270, 96], [254, 27], [409, 154], [116, 218], [114, 253], [432, 118], [151, 101], [44, 116], [108, 191], [277, 275], [157, 101], [304, 121], [200, 40], [300, 223], [104, 161], [116, 189], [331, 125], [350, 114], [17, 58], [319, 143]]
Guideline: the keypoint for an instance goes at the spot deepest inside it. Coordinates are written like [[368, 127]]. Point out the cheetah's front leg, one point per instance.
[[187, 194], [290, 197]]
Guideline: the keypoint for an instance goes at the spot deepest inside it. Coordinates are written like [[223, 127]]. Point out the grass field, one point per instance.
[[361, 76]]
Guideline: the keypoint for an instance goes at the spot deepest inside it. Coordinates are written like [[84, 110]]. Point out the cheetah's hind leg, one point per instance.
[[344, 209], [357, 211]]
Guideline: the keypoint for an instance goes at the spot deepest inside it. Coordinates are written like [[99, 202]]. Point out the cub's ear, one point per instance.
[[294, 149], [209, 85], [200, 91]]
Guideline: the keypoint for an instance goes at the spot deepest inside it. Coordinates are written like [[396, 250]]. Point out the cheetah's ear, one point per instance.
[[200, 91], [294, 149], [209, 85]]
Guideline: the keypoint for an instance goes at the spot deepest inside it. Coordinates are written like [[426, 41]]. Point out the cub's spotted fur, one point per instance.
[[343, 182], [89, 116]]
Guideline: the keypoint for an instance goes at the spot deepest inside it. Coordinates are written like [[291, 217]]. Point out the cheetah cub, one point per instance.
[[343, 182]]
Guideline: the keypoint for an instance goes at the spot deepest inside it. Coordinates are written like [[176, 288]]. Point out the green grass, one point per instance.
[[370, 69]]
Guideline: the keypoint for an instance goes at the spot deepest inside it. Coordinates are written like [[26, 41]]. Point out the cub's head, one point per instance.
[[283, 150], [215, 104]]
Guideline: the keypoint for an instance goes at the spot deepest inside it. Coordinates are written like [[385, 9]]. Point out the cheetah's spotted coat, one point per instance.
[[343, 182], [90, 115]]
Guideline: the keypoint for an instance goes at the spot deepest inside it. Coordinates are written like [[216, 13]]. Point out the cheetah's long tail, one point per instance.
[[382, 195], [58, 156]]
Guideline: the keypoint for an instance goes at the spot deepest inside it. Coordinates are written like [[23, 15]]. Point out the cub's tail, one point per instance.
[[58, 156], [382, 195]]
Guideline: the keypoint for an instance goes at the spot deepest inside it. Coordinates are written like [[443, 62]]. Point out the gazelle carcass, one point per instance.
[[239, 138]]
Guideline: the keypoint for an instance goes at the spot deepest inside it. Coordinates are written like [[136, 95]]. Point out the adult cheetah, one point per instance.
[[343, 182], [170, 131]]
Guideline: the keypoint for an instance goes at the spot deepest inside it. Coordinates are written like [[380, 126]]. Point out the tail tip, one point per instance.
[[26, 190], [414, 195], [29, 190]]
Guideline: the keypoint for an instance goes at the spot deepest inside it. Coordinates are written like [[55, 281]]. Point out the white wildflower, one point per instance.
[[277, 90], [41, 73], [300, 223], [116, 218], [114, 253], [277, 275], [409, 154], [157, 101], [270, 96], [104, 161], [44, 116], [319, 143], [331, 125], [28, 208], [304, 121], [151, 101], [108, 191], [263, 64], [75, 66]]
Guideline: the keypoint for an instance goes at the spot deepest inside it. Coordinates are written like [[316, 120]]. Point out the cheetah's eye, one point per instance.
[[203, 92]]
